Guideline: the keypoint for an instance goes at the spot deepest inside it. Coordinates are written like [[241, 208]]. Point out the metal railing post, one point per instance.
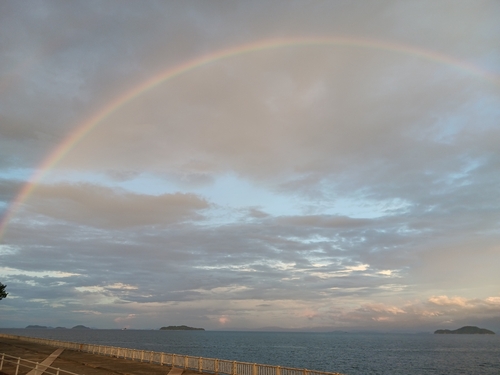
[[234, 368], [1, 363], [17, 366], [186, 362], [254, 369], [200, 364], [278, 370], [216, 366]]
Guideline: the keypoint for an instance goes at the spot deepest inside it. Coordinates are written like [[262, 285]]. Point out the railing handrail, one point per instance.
[[21, 362], [200, 364]]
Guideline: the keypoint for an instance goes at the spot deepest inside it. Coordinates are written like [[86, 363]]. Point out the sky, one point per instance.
[[308, 165]]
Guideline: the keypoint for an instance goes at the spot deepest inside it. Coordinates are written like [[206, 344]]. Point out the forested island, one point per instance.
[[181, 328], [80, 327], [467, 330]]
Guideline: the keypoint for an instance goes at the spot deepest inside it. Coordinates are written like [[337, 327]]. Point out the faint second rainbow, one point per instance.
[[86, 126]]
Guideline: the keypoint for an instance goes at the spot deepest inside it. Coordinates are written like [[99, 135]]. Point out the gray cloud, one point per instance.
[[103, 207]]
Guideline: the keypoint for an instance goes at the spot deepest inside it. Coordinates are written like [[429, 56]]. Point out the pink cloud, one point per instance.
[[122, 319], [224, 319]]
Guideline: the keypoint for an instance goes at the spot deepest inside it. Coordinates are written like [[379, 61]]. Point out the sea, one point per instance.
[[347, 353]]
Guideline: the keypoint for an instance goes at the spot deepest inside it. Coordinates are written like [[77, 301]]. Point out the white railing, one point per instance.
[[18, 363], [200, 364]]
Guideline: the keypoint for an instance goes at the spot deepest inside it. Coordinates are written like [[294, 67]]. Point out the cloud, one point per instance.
[[52, 274], [305, 185], [127, 318], [309, 314], [122, 286], [92, 312], [99, 206], [447, 301], [8, 190], [435, 312]]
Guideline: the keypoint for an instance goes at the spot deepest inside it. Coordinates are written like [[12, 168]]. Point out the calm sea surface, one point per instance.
[[348, 353]]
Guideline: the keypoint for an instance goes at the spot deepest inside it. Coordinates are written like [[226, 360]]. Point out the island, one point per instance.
[[80, 327], [467, 330], [34, 326], [181, 328]]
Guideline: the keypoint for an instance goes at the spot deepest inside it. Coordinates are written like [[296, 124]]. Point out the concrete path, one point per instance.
[[46, 363], [82, 363], [176, 371]]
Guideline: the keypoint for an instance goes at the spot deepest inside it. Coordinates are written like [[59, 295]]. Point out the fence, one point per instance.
[[18, 363], [200, 364]]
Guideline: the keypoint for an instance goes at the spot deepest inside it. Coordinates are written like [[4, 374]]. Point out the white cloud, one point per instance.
[[91, 312], [122, 286], [7, 271]]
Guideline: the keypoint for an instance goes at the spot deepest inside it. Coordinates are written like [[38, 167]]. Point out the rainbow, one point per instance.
[[89, 124]]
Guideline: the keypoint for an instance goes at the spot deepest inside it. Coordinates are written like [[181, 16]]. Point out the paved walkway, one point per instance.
[[45, 363], [79, 362]]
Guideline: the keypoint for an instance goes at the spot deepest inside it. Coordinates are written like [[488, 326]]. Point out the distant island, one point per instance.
[[181, 328], [35, 326], [467, 330], [80, 327]]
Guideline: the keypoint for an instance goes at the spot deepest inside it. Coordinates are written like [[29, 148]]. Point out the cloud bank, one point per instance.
[[307, 186]]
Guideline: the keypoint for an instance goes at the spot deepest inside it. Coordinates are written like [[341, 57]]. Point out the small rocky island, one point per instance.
[[181, 328], [467, 330]]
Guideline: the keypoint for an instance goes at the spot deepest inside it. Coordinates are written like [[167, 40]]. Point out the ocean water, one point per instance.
[[347, 353]]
